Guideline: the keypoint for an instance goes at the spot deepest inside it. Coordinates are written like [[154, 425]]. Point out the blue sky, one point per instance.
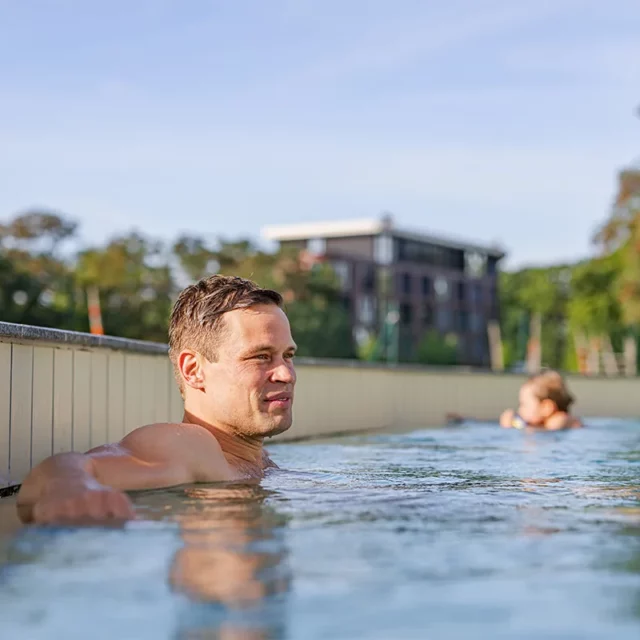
[[494, 120]]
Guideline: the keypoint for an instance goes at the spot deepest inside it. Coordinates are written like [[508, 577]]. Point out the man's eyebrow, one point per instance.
[[258, 348], [268, 347]]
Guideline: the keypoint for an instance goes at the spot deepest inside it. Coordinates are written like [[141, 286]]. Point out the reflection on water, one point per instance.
[[211, 560], [234, 555], [457, 533], [229, 554], [232, 562]]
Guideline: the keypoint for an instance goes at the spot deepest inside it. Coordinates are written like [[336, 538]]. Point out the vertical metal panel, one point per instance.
[[132, 373], [42, 419], [21, 394], [98, 433], [62, 400], [147, 391], [81, 400], [176, 404], [161, 390], [5, 410], [115, 397]]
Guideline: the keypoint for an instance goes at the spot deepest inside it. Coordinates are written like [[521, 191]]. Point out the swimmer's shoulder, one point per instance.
[[159, 435], [563, 421], [186, 443]]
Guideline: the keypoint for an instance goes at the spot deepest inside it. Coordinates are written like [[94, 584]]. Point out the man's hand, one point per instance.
[[82, 502], [506, 419]]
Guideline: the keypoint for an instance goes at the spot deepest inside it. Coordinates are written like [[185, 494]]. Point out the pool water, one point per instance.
[[460, 532]]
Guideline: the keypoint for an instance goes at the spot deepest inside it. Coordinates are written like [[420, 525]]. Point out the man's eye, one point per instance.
[[290, 356], [262, 356]]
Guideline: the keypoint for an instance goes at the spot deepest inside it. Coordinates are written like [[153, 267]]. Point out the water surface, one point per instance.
[[460, 532]]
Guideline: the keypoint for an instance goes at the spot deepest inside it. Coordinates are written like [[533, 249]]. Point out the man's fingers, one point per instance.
[[120, 506], [96, 506], [40, 513]]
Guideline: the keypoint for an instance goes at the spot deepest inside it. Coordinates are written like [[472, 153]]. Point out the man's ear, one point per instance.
[[190, 366]]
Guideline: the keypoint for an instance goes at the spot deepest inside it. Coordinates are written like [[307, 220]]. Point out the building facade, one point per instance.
[[418, 281]]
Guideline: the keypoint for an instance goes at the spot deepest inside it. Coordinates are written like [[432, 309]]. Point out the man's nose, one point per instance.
[[284, 372]]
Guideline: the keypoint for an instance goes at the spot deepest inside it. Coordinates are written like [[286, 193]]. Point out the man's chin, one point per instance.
[[278, 428]]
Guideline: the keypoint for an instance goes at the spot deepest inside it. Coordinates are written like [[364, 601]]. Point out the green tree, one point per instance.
[[594, 308], [621, 233], [319, 320], [528, 292], [195, 257], [436, 349], [36, 282], [136, 285]]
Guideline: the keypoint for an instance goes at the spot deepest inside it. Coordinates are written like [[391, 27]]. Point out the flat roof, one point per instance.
[[368, 227]]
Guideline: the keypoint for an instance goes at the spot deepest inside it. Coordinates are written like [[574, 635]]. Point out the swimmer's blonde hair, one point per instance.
[[550, 385]]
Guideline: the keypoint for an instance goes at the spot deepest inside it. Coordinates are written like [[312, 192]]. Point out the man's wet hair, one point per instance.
[[197, 319]]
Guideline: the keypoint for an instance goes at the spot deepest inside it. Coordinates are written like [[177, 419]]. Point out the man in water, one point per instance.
[[232, 352]]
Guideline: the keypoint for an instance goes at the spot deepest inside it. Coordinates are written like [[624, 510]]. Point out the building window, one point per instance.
[[444, 320], [492, 265], [456, 259], [343, 272], [406, 313], [405, 283], [463, 321], [461, 289], [431, 254], [366, 310], [426, 286], [427, 315], [475, 264], [441, 287], [476, 293], [476, 322], [369, 279], [383, 249]]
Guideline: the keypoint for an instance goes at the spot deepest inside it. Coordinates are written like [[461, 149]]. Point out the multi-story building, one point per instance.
[[423, 282]]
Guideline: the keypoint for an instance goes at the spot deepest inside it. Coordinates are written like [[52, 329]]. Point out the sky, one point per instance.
[[487, 120]]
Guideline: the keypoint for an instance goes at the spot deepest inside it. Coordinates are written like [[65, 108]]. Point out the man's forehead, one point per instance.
[[257, 321]]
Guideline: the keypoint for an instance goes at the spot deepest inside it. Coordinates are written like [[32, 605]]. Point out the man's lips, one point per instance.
[[279, 398]]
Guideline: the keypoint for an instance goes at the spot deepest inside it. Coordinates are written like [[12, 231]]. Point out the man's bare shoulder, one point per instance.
[[187, 444], [161, 434]]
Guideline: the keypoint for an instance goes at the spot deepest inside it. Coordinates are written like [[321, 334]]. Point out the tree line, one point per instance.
[[46, 275], [594, 303]]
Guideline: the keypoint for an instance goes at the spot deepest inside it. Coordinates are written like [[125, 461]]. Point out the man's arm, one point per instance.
[[73, 486]]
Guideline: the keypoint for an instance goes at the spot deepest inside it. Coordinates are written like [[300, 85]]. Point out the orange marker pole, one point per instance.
[[95, 315]]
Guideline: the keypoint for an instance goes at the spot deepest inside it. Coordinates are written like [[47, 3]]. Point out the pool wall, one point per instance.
[[62, 391]]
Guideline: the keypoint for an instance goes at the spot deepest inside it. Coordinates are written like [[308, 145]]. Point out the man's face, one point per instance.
[[249, 388]]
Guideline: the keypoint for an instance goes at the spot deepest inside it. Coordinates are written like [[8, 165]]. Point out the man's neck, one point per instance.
[[238, 450]]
